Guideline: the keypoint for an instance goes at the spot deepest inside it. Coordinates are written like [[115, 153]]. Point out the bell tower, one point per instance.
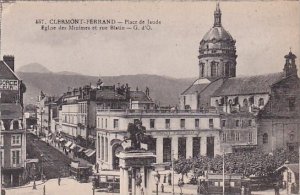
[[290, 67]]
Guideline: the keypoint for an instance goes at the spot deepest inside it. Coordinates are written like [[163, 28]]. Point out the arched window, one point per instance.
[[292, 136], [265, 138], [227, 69], [213, 67], [261, 102], [245, 103], [202, 65], [106, 150]]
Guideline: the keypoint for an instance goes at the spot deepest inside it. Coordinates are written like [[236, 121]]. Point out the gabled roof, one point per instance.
[[249, 85], [293, 167], [6, 72], [139, 96]]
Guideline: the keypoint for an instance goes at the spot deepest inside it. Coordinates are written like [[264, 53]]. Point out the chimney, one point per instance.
[[10, 61]]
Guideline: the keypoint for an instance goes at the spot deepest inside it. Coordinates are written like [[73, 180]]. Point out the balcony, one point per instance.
[[158, 111]]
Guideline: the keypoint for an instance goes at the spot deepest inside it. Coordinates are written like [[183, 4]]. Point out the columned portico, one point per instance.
[[203, 147], [175, 147], [140, 163], [189, 147], [159, 146]]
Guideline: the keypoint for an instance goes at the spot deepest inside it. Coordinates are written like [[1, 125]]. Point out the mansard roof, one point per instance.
[[109, 95], [257, 84]]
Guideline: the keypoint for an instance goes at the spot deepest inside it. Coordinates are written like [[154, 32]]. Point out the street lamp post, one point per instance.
[[42, 168], [157, 178]]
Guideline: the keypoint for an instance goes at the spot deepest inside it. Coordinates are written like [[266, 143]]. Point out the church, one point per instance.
[[255, 111]]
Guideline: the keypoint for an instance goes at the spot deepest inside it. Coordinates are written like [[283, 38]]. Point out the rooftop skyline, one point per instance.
[[264, 33]]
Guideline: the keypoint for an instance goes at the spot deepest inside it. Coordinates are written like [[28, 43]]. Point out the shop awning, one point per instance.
[[80, 149], [91, 153], [34, 160], [73, 146], [87, 151], [68, 144]]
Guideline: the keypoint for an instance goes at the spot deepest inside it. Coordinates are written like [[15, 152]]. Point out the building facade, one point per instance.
[[12, 132], [177, 134]]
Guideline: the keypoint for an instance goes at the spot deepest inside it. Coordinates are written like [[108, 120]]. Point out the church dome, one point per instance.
[[217, 34], [217, 52]]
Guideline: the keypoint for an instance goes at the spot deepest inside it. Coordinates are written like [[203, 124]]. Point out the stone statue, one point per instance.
[[137, 134]]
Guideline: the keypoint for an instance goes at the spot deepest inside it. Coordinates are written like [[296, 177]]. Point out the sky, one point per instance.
[[264, 32]]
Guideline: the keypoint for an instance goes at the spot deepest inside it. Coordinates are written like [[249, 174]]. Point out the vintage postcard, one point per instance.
[[149, 97]]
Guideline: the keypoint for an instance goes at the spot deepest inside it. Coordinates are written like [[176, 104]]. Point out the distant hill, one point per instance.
[[34, 67], [164, 90], [68, 73]]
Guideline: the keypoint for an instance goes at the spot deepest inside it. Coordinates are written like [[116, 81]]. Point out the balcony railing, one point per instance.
[[160, 111]]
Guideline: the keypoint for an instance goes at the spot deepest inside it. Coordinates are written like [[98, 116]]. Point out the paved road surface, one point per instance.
[[54, 162]]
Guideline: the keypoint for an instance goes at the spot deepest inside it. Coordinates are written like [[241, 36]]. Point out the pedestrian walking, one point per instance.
[[162, 188], [97, 167], [34, 185], [59, 180], [170, 179], [243, 190]]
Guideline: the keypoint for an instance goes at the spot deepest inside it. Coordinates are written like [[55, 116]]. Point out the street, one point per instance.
[[54, 162]]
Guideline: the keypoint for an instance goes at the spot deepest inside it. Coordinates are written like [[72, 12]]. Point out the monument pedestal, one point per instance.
[[139, 163]]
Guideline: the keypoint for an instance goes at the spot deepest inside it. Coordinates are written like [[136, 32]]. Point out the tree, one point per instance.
[[256, 163]]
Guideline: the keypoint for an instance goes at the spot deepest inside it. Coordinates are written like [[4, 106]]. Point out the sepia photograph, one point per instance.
[[149, 97]]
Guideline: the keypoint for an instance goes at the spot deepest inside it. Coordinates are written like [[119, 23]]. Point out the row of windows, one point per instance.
[[83, 108], [152, 123], [15, 140], [239, 123], [73, 119], [291, 136], [236, 136], [246, 101], [214, 69]]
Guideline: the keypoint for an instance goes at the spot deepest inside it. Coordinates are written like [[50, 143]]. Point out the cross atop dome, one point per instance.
[[218, 15]]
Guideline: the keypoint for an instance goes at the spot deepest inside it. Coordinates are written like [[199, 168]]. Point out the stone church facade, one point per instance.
[[255, 111]]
